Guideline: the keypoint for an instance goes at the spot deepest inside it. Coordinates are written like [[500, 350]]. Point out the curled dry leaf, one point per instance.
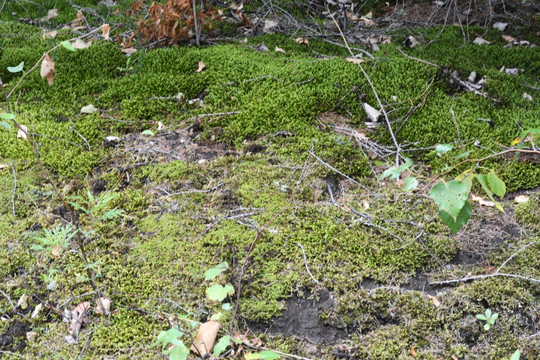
[[434, 300], [481, 201], [129, 51], [82, 307], [500, 26], [509, 38], [521, 199], [411, 42], [302, 40], [367, 21], [49, 34], [202, 66], [278, 49], [22, 132], [354, 60], [160, 126], [480, 41], [373, 114], [51, 14], [81, 44], [103, 304], [47, 69], [78, 20], [105, 29], [205, 338]]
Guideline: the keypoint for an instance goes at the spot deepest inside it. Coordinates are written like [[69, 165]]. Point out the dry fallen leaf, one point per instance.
[[205, 338], [31, 336], [521, 199], [527, 96], [413, 352], [105, 28], [411, 42], [509, 38], [434, 300], [82, 307], [278, 49], [47, 69], [51, 14], [372, 113], [481, 201], [22, 132], [500, 26], [3, 166], [80, 44], [480, 41], [352, 17], [367, 21], [56, 251], [160, 126], [103, 303], [50, 34], [129, 51], [354, 60], [302, 40], [202, 66], [385, 40], [78, 20]]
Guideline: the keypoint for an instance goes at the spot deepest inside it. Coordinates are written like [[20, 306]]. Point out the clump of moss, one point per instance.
[[528, 213]]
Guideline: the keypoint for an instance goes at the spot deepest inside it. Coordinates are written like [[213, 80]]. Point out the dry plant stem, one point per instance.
[[496, 273], [276, 351], [398, 148], [197, 36], [305, 262], [14, 189], [416, 59]]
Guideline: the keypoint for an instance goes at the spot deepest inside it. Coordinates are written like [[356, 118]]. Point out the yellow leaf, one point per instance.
[[105, 28]]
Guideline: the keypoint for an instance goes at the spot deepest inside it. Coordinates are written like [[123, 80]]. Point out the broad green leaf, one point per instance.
[[217, 316], [395, 172], [410, 183], [481, 317], [7, 116], [450, 196], [226, 307], [148, 132], [177, 352], [218, 292], [16, 69], [463, 155], [222, 345], [263, 355], [169, 337], [67, 45], [88, 109], [487, 326], [441, 149], [488, 313], [516, 355], [483, 180], [5, 125], [496, 184], [494, 317], [462, 218], [215, 271]]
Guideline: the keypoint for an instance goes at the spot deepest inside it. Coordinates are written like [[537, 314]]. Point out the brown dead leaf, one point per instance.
[[205, 338], [81, 44], [481, 201], [352, 17], [434, 300], [56, 251], [302, 40], [105, 29], [103, 304], [385, 40], [22, 132], [354, 60], [82, 307], [49, 34], [367, 22], [129, 51], [202, 66], [509, 38], [413, 352], [78, 20], [51, 14], [47, 69]]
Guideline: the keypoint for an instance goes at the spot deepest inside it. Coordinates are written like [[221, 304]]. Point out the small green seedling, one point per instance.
[[489, 318], [128, 68], [516, 355]]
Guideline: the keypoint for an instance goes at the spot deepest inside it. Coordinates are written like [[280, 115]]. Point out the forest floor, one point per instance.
[[242, 182]]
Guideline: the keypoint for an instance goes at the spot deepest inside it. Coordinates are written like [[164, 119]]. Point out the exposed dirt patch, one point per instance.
[[175, 145], [302, 319], [9, 339]]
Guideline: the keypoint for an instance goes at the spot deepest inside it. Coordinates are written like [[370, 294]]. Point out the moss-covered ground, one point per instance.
[[197, 192]]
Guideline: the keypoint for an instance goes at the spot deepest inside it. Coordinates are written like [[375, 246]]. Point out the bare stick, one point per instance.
[[416, 59], [197, 35], [305, 262], [14, 189], [8, 299]]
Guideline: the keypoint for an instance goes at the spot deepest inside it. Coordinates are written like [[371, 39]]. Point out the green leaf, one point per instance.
[[169, 337], [148, 132], [450, 196], [395, 172], [462, 218], [178, 352], [67, 45], [263, 355], [441, 149], [215, 271], [463, 155], [481, 317], [16, 69], [487, 326], [7, 116], [226, 307], [222, 345], [483, 180], [218, 292], [516, 355], [488, 313], [494, 317], [5, 125], [496, 184], [410, 183]]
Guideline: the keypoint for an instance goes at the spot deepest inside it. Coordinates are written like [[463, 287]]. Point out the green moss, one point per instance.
[[528, 213]]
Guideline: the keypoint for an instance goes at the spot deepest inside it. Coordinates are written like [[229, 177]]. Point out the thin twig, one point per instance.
[[305, 262], [416, 59], [14, 189], [8, 299]]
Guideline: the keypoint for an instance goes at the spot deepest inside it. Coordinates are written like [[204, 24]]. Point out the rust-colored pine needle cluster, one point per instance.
[[174, 20]]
